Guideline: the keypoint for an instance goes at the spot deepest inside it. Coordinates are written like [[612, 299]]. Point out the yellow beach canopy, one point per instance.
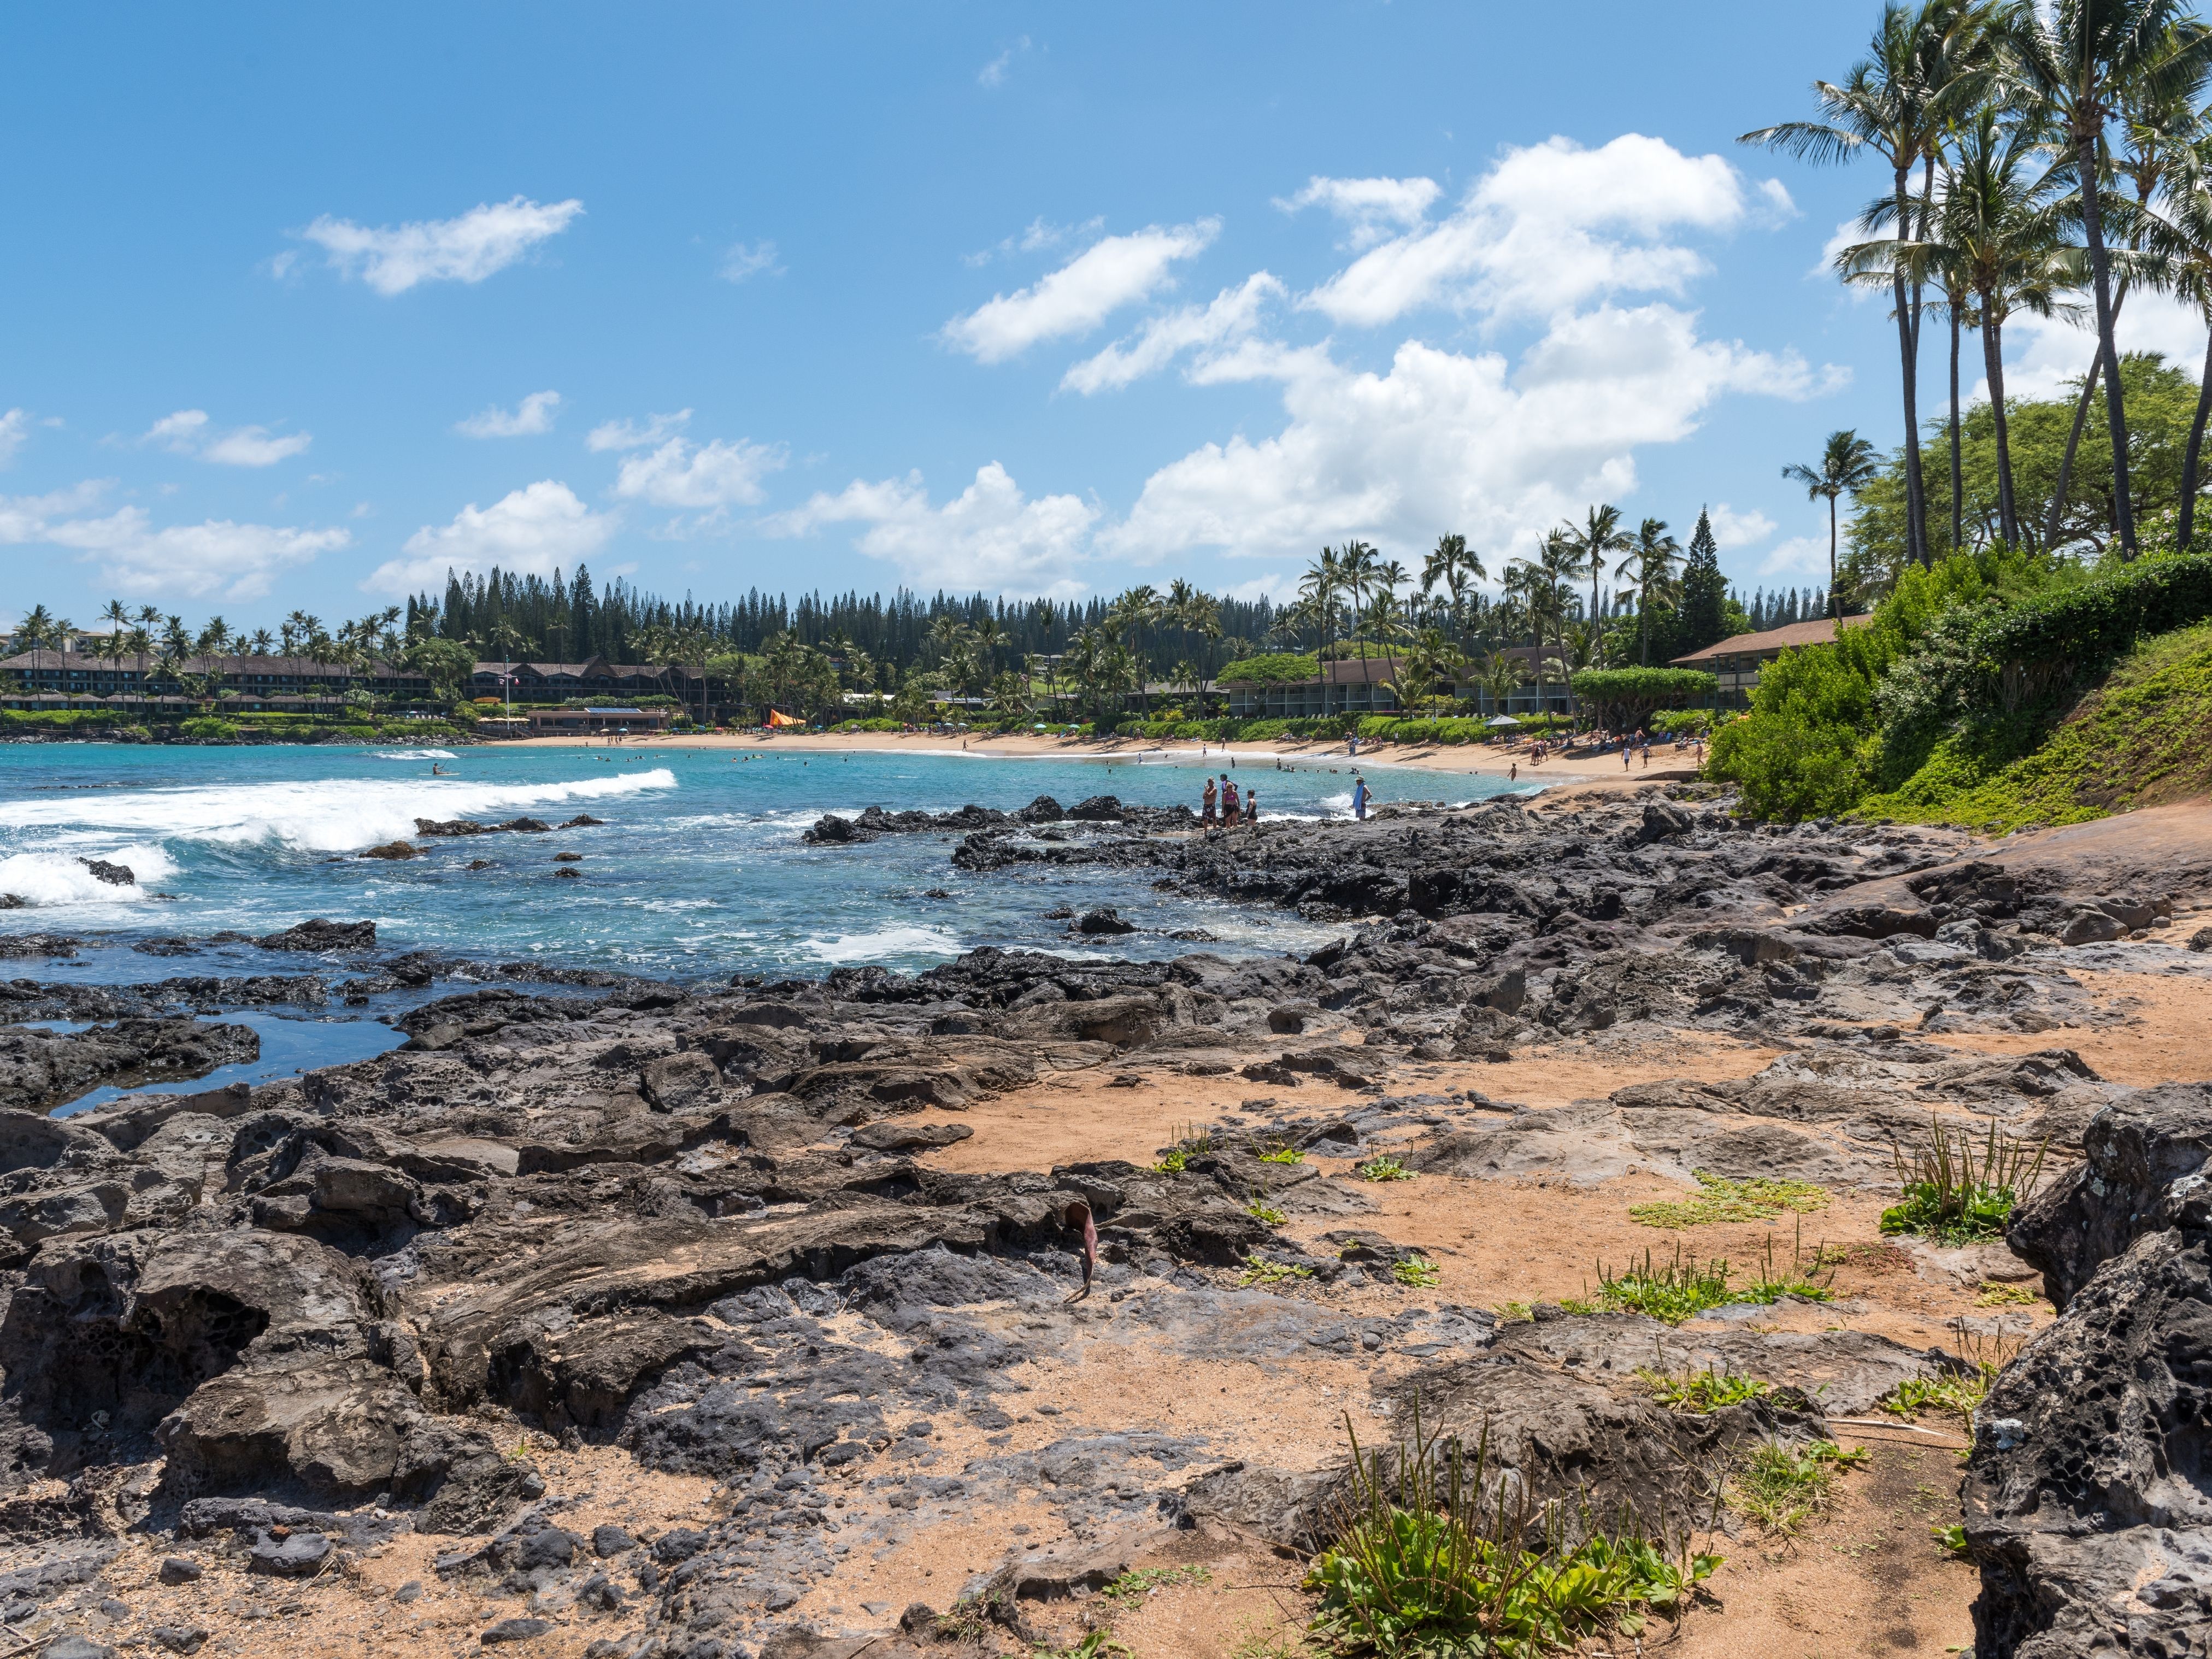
[[777, 717]]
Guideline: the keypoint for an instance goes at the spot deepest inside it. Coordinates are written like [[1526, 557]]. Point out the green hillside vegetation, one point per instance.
[[2143, 737]]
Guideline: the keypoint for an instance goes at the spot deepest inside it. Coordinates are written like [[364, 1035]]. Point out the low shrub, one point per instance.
[[1956, 1195], [208, 729], [1782, 1488], [1418, 1271], [1426, 1561]]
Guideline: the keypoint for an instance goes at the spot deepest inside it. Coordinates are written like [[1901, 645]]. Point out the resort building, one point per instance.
[[1735, 662], [579, 722], [46, 679]]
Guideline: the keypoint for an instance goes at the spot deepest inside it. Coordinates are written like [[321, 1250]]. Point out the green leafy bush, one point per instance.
[[1623, 699], [1275, 668], [208, 729], [1956, 1195], [1418, 1271], [1382, 1167], [1425, 1562]]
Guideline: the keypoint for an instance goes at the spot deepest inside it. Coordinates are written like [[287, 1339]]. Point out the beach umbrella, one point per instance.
[[1501, 720]]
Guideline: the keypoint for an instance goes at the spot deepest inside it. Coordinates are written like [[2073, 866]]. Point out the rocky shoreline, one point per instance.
[[618, 1317]]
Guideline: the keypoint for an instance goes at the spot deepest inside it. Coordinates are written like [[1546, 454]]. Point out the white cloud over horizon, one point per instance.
[[15, 430], [635, 435], [1233, 316], [1113, 272], [1732, 529], [989, 535], [532, 416], [219, 557], [467, 248], [1552, 226], [186, 433], [527, 531], [1368, 206], [703, 476]]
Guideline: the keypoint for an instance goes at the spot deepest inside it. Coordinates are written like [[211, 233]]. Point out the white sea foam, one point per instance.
[[45, 880], [413, 754], [324, 815], [891, 942]]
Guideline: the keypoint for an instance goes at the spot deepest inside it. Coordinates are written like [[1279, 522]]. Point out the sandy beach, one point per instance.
[[1599, 774]]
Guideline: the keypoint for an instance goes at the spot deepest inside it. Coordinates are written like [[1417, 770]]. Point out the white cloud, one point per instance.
[[2042, 354], [532, 416], [634, 435], [1111, 273], [220, 557], [1370, 206], [185, 433], [1551, 227], [1801, 555], [486, 239], [1446, 442], [1278, 587], [993, 74], [1040, 233], [15, 427], [527, 531], [741, 262], [714, 475], [1732, 529], [1234, 314], [1850, 234], [989, 537]]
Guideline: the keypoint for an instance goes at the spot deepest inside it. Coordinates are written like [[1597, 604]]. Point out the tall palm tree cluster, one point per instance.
[[2044, 158], [168, 652], [1447, 632]]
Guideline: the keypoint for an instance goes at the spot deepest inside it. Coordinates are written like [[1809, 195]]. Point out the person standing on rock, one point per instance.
[[1359, 798], [1078, 1219], [1252, 809], [1205, 806], [1228, 799]]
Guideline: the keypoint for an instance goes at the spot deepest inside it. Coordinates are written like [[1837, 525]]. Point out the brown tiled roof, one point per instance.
[[1822, 632]]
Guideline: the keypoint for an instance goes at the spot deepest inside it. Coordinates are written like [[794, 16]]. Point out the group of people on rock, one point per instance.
[[1220, 807]]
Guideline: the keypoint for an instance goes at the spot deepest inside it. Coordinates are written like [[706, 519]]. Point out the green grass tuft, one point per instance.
[[1260, 1210], [1756, 1200], [1140, 1582], [1702, 1391], [1418, 1271], [1782, 1488], [1683, 1288], [1283, 1155], [1382, 1167], [1258, 1270], [1956, 1194]]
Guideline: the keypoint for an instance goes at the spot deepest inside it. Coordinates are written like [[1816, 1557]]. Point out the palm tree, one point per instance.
[[1594, 547], [1652, 564], [260, 642], [1319, 589], [2072, 69], [2158, 140], [1847, 466], [1456, 565], [1924, 67], [41, 631], [1500, 673], [2178, 236]]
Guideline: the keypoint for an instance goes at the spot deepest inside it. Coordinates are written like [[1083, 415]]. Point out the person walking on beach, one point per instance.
[[1359, 798], [1205, 806]]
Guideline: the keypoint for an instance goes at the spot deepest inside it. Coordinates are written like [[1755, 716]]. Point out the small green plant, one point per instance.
[[1951, 1537], [1418, 1272], [1283, 1155], [1140, 1582], [1782, 1488], [1382, 1167], [1958, 1393], [1194, 1139], [1755, 1200], [1957, 1196], [1702, 1391], [1260, 1210], [1430, 1559], [1172, 1162], [1097, 1642], [2005, 1296], [1258, 1270], [1683, 1288], [1515, 1313]]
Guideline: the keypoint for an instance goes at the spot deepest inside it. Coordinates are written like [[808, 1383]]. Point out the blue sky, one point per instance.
[[306, 306]]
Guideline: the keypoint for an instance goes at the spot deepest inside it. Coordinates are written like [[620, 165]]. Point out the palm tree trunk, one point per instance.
[[2081, 421], [1835, 599], [1958, 487], [2191, 457], [2093, 224], [1993, 365], [1915, 506]]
